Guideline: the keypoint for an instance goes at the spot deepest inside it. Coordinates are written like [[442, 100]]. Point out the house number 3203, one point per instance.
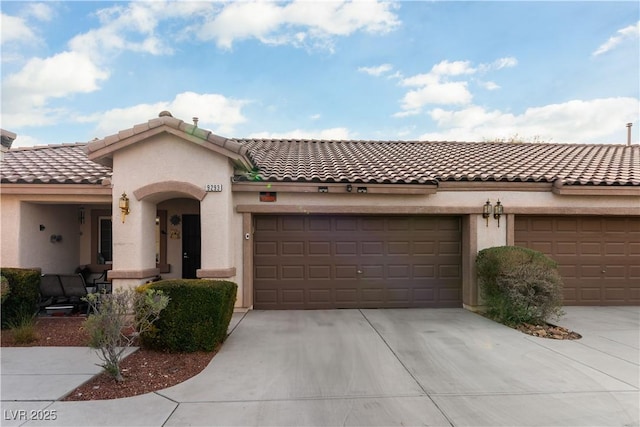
[[213, 187]]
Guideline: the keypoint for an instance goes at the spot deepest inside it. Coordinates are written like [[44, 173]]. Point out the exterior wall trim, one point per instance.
[[170, 187], [494, 186], [305, 187], [57, 189], [584, 210], [564, 190], [133, 274], [373, 210], [218, 273], [247, 263]]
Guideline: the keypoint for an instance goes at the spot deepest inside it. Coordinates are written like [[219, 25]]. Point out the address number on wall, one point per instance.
[[213, 187]]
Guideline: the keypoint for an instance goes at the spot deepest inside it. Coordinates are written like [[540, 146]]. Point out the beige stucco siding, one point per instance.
[[10, 231], [165, 158]]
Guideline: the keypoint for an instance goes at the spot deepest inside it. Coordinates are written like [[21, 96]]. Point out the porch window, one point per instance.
[[102, 240], [105, 240]]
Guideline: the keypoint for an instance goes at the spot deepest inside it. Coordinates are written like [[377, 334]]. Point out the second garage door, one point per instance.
[[316, 262], [598, 257]]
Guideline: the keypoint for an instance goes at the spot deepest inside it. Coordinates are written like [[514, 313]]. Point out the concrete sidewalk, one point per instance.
[[367, 367]]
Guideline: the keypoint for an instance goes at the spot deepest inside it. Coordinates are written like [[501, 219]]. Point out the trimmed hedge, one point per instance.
[[24, 294], [196, 318], [519, 285]]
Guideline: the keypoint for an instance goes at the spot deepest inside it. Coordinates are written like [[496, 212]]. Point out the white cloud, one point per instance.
[[26, 93], [376, 71], [442, 85], [440, 93], [15, 29], [593, 121], [630, 32], [455, 68], [315, 116], [299, 23], [40, 11], [130, 28], [489, 85], [338, 133], [214, 111], [500, 63], [26, 141]]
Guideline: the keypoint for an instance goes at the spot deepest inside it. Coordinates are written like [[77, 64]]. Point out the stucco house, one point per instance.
[[322, 224]]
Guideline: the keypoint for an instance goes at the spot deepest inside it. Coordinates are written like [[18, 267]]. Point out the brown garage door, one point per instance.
[[598, 257], [313, 262]]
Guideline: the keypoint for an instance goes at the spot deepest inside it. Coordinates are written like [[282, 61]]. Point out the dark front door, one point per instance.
[[190, 245]]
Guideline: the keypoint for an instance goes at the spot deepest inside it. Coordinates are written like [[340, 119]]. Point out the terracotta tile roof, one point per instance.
[[420, 162], [51, 164], [367, 161]]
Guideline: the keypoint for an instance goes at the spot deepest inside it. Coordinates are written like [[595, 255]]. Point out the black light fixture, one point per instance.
[[486, 211], [323, 189], [362, 189], [497, 211], [349, 188], [81, 215]]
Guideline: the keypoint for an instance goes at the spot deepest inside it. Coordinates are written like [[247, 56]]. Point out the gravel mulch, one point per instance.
[[144, 371]]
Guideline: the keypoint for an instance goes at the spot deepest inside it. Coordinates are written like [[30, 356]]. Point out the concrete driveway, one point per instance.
[[397, 367]]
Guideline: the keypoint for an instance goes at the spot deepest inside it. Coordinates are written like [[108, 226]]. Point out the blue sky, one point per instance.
[[466, 71]]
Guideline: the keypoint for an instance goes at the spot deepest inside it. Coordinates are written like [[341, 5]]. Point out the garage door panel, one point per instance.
[[346, 248], [424, 248], [604, 267], [372, 248], [398, 248], [292, 223], [320, 272], [319, 248], [357, 261]]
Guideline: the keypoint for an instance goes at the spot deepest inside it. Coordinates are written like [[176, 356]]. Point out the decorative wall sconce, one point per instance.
[[497, 211], [323, 189], [362, 189], [349, 188], [486, 211], [124, 206]]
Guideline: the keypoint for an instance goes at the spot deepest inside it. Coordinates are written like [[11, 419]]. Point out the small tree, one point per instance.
[[116, 321]]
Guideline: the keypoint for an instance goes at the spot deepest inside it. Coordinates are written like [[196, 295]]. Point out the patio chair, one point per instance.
[[102, 284], [74, 289], [52, 295]]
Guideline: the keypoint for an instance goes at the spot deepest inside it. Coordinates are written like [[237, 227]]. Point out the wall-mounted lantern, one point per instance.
[[124, 206], [497, 211], [81, 215], [349, 188], [486, 211]]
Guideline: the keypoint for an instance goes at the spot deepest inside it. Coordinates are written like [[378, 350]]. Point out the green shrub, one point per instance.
[[196, 318], [519, 285], [24, 329], [24, 294], [4, 289]]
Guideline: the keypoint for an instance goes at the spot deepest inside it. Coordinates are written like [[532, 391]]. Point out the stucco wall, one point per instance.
[[9, 231], [165, 158], [37, 249]]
